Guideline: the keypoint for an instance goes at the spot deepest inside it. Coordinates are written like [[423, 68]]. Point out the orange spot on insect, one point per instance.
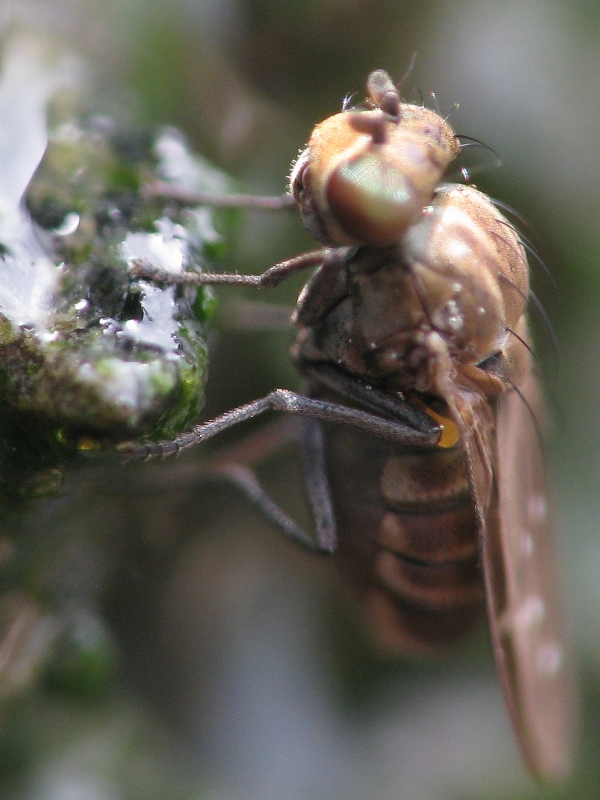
[[450, 434]]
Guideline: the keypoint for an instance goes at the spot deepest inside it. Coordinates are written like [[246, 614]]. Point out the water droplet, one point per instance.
[[69, 224]]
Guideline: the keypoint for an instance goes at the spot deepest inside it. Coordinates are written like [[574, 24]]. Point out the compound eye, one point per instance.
[[298, 176], [371, 199]]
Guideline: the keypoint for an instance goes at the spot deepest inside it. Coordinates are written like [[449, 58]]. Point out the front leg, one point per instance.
[[141, 268], [190, 197], [292, 403]]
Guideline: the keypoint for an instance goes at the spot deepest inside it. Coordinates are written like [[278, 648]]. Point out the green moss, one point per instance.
[[204, 305], [100, 356]]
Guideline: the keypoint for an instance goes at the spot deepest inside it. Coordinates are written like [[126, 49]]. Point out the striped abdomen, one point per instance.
[[407, 537]]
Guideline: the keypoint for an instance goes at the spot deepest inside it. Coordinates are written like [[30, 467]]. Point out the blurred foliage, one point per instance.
[[244, 646]]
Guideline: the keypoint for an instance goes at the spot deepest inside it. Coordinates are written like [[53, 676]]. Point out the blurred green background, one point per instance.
[[241, 670]]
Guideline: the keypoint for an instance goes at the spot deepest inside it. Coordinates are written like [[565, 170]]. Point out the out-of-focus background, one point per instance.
[[242, 673]]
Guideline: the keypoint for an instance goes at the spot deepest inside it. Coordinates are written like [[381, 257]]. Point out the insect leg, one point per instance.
[[168, 191], [292, 403], [229, 468], [390, 405], [141, 268], [244, 479], [317, 485], [234, 467]]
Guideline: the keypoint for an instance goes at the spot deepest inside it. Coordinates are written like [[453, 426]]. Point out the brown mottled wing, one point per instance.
[[522, 587]]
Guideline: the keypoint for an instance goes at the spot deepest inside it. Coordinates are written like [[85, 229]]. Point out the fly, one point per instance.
[[412, 338]]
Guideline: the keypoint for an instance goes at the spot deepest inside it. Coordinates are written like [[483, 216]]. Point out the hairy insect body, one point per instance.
[[413, 341], [460, 273], [430, 308], [419, 318]]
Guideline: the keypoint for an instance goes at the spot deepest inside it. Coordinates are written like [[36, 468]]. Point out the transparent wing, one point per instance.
[[522, 587]]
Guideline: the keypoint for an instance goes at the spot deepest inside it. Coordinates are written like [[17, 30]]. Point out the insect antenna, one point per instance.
[[383, 94], [374, 126]]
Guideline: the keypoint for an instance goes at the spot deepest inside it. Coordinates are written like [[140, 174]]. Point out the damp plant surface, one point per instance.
[[90, 355]]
